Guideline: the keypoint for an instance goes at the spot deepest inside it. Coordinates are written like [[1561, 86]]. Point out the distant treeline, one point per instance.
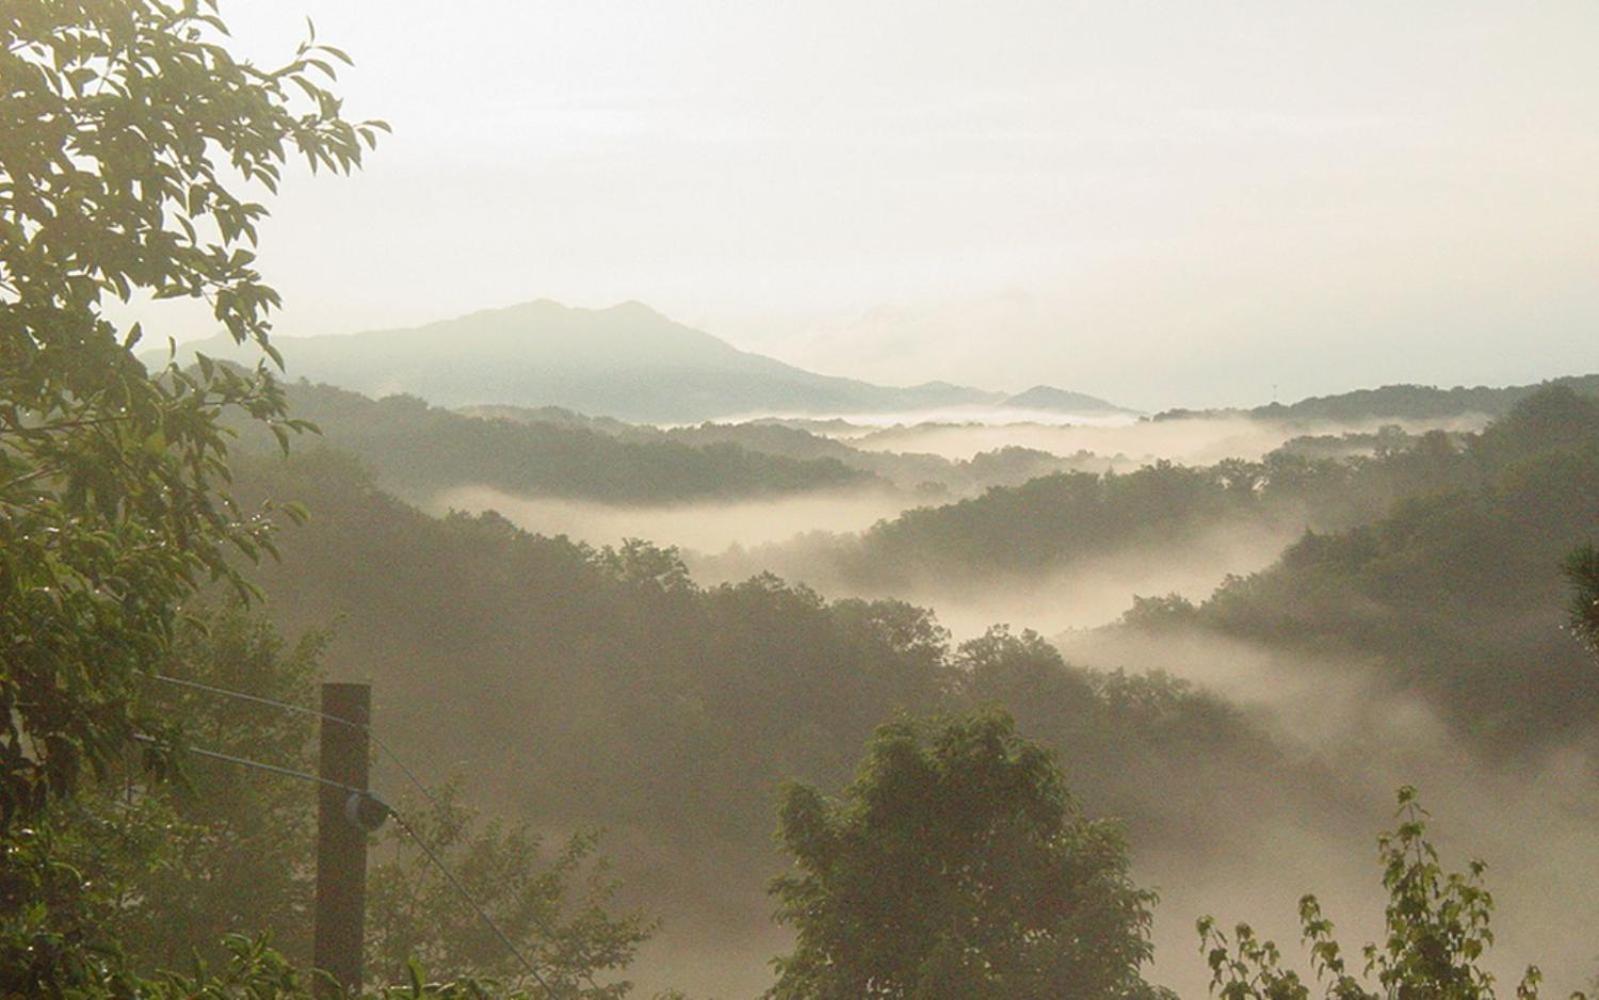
[[1054, 522], [417, 449], [1398, 402], [926, 475]]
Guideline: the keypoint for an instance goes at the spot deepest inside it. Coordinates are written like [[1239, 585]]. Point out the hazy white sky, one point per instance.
[[1160, 203]]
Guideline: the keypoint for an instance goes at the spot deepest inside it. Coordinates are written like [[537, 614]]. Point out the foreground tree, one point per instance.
[[167, 873], [128, 137], [956, 865], [555, 909], [1438, 935], [127, 132]]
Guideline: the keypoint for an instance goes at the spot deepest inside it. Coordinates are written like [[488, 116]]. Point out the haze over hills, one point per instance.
[[1400, 402], [627, 361], [1047, 397]]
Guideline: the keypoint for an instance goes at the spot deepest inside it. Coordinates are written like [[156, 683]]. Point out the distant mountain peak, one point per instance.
[[636, 308], [1048, 397], [626, 360]]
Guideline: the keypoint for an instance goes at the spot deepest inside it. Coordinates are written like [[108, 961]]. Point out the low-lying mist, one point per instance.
[[710, 526], [1091, 592], [1189, 440], [848, 425], [1533, 819], [1238, 837], [799, 537]]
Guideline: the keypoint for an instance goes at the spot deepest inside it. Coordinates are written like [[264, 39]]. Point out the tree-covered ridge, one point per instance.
[[1400, 402], [663, 706], [626, 361], [418, 450], [1458, 594], [920, 474], [1058, 521]]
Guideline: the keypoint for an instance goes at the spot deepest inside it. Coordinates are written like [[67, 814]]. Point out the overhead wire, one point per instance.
[[377, 741], [274, 768], [482, 914], [389, 810]]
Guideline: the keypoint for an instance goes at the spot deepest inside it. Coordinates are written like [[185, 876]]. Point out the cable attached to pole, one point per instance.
[[359, 797], [388, 751], [482, 913], [271, 768]]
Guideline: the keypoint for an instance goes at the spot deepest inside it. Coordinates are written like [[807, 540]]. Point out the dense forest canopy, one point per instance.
[[734, 688], [1458, 591]]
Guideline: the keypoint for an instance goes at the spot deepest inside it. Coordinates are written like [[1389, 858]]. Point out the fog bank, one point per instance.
[[1188, 441], [1535, 821], [711, 526]]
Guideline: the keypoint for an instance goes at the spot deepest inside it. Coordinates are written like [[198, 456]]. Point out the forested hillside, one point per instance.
[[1402, 402], [417, 450], [479, 634], [607, 687], [789, 735], [1457, 595], [1054, 522], [926, 475]]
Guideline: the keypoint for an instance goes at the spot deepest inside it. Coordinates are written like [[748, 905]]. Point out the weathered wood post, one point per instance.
[[341, 842]]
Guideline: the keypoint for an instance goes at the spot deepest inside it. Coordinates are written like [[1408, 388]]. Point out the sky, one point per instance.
[[1166, 203]]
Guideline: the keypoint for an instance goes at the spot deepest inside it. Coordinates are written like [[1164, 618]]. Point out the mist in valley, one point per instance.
[[675, 502], [713, 526], [1200, 440], [1238, 837], [1091, 593], [1354, 738]]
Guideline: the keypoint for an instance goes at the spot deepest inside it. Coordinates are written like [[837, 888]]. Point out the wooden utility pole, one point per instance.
[[340, 840]]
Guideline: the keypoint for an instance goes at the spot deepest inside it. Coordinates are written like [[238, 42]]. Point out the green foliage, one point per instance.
[[1455, 594], [236, 844], [1062, 519], [554, 912], [1582, 568], [1437, 936], [250, 969], [132, 874], [610, 690], [127, 131], [956, 866], [122, 126], [132, 877]]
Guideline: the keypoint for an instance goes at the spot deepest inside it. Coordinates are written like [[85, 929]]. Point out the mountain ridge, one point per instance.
[[1048, 397], [627, 361]]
